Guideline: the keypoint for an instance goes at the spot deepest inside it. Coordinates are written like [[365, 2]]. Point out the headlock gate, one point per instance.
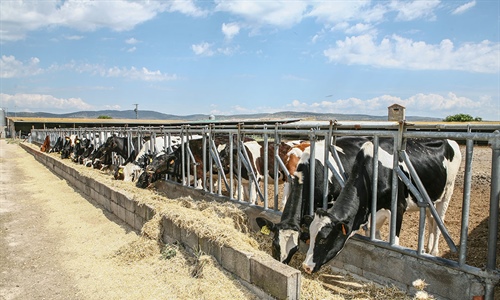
[[225, 178]]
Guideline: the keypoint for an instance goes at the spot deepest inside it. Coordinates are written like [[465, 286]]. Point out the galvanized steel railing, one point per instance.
[[314, 131]]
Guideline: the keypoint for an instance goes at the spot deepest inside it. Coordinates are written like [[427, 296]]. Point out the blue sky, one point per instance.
[[437, 58]]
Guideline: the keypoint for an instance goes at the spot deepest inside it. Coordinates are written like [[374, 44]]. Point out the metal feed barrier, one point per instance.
[[470, 134]]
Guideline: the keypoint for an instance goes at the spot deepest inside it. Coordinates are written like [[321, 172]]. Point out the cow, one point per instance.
[[80, 146], [170, 163], [256, 164], [291, 160], [67, 148], [132, 170], [57, 146], [436, 163], [118, 145], [85, 158], [46, 145], [292, 225]]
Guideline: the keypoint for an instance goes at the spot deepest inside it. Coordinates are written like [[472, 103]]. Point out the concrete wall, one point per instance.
[[267, 276]]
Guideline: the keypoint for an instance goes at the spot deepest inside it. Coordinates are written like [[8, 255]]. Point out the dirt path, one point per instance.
[[55, 244]]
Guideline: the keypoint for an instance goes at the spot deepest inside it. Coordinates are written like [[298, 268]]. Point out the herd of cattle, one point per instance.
[[350, 176]]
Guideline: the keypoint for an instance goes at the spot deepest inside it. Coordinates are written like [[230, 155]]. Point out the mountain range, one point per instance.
[[154, 115]]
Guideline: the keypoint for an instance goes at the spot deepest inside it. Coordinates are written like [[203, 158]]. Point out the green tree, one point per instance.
[[104, 117], [462, 118]]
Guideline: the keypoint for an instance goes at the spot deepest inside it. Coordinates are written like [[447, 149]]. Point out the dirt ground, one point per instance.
[[58, 245]]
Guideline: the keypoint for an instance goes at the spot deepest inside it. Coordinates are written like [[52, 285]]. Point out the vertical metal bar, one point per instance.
[[231, 164], [238, 160], [277, 141], [394, 194], [373, 211], [312, 167], [493, 220], [326, 156], [183, 157], [494, 201], [266, 169], [205, 161], [462, 255]]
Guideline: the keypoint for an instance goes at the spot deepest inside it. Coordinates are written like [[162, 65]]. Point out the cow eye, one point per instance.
[[322, 241]]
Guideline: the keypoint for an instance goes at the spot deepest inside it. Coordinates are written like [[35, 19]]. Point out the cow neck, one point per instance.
[[292, 212], [353, 204]]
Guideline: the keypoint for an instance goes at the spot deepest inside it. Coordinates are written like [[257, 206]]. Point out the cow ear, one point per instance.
[[321, 212], [343, 228], [265, 225], [308, 220]]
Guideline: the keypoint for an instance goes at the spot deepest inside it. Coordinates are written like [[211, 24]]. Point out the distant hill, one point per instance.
[[153, 115]]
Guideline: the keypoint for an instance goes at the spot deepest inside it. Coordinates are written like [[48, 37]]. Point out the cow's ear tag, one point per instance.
[[343, 230], [265, 230], [120, 171]]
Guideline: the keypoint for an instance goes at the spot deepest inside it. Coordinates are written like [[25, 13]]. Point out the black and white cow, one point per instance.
[[79, 148], [131, 171], [67, 148], [292, 225], [118, 145], [170, 163], [436, 162], [57, 146]]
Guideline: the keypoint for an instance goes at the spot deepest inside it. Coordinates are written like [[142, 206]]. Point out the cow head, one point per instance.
[[163, 163], [330, 229], [285, 238], [287, 232], [327, 238]]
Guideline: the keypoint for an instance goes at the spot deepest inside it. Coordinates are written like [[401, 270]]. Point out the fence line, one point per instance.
[[313, 132]]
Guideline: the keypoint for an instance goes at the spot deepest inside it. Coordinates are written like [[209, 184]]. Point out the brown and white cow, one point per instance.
[[46, 145]]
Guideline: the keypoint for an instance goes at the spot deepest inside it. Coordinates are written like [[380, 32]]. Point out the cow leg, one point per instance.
[[434, 232], [380, 217], [198, 184], [252, 192]]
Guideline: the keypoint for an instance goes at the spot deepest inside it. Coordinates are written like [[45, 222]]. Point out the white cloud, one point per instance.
[[10, 67], [282, 13], [463, 8], [401, 53], [139, 74], [335, 12], [73, 37], [227, 50], [187, 7], [359, 28], [413, 10], [203, 49], [230, 30], [37, 102], [19, 17], [430, 105], [113, 107], [130, 50], [131, 41]]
